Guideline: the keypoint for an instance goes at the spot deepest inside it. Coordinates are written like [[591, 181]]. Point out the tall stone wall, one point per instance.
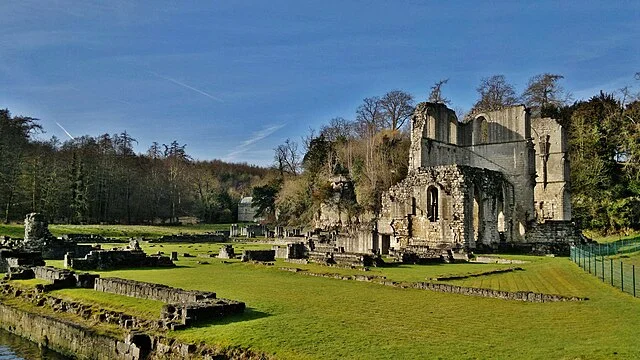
[[551, 194], [143, 290]]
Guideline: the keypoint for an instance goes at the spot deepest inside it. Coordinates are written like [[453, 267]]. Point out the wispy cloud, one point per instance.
[[254, 138], [609, 86], [201, 92]]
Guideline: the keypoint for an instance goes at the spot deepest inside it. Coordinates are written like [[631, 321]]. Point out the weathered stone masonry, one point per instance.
[[490, 183], [143, 290]]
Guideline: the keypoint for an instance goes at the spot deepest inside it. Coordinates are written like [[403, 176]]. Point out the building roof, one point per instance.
[[246, 200]]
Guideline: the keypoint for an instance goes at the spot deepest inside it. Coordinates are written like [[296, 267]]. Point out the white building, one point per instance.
[[246, 211]]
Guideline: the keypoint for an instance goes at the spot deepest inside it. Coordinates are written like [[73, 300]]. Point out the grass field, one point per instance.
[[293, 316], [116, 231], [631, 259], [611, 238]]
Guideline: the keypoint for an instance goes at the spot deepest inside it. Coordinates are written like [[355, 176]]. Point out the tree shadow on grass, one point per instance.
[[249, 314]]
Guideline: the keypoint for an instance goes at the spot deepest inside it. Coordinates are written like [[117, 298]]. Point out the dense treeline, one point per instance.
[[372, 150], [102, 180]]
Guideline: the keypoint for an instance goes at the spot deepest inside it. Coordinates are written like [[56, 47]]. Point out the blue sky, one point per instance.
[[233, 79]]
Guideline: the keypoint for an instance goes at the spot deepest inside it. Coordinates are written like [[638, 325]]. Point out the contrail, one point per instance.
[[255, 137], [65, 131], [187, 86]]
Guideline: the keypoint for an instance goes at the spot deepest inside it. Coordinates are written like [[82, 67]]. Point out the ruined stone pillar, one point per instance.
[[36, 231]]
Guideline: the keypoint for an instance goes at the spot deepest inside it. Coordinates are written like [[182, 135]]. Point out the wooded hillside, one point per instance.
[[102, 180]]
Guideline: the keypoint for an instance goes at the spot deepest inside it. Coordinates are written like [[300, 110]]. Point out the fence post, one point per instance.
[[611, 262], [602, 268], [622, 276], [633, 268], [589, 262]]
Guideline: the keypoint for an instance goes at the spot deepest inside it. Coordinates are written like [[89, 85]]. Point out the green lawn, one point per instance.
[[293, 316], [118, 231], [146, 309]]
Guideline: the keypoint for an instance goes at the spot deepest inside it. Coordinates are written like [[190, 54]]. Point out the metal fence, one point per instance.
[[593, 259]]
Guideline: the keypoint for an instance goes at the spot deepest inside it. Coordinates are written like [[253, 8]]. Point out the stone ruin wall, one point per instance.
[[36, 231], [117, 259], [13, 258], [498, 140], [149, 291], [404, 206], [295, 250], [258, 255], [552, 199], [196, 238]]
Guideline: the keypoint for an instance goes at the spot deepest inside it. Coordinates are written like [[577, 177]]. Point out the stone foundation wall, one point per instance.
[[258, 255], [62, 278], [65, 337], [189, 313], [80, 342], [11, 258], [198, 238], [290, 251], [554, 231], [117, 259], [143, 290], [56, 250], [446, 288]]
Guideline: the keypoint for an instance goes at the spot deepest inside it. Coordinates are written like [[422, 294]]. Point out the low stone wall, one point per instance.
[[297, 261], [258, 255], [62, 278], [342, 258], [81, 342], [453, 289], [65, 337], [484, 273], [11, 258], [290, 251], [117, 259], [198, 238], [189, 313], [143, 290], [227, 252], [57, 249], [420, 254], [498, 294]]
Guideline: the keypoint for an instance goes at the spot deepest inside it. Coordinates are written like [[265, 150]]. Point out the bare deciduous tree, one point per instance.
[[369, 116], [495, 93], [436, 93], [398, 107], [287, 157], [338, 128], [544, 91]]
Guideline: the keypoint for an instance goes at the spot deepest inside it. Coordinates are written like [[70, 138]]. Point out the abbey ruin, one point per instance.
[[498, 180]]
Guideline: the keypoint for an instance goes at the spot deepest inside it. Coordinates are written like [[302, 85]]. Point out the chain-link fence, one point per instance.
[[593, 258]]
